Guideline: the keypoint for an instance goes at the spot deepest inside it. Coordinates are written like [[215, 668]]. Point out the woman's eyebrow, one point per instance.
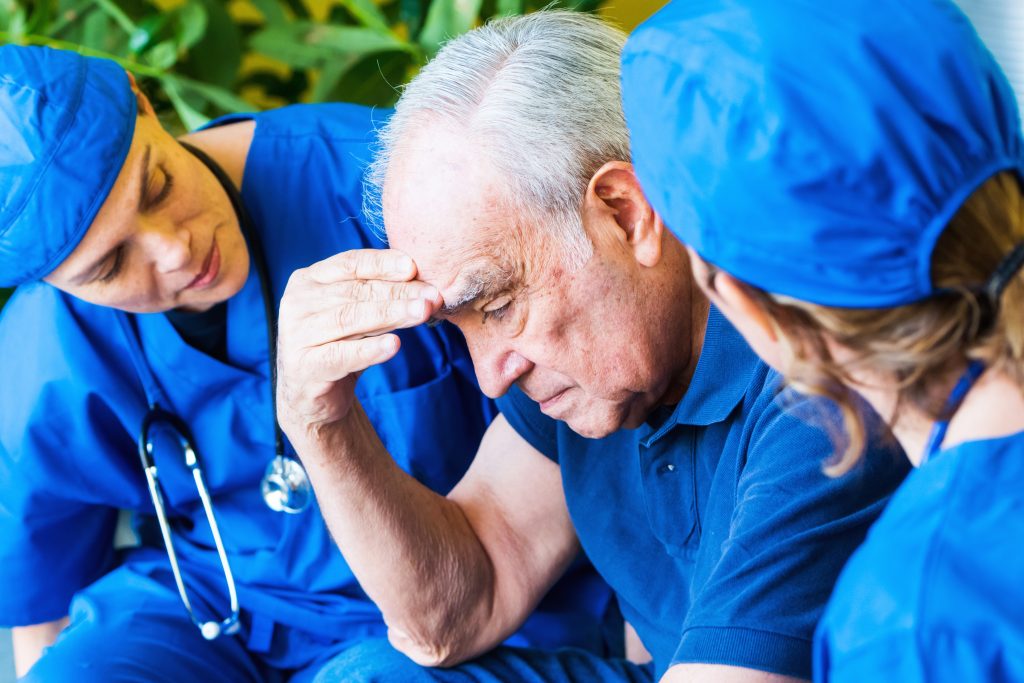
[[145, 178]]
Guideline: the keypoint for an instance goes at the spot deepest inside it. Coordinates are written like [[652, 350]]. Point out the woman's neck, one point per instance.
[[994, 407], [228, 145]]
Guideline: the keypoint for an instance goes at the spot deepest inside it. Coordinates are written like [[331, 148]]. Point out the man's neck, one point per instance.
[[697, 319]]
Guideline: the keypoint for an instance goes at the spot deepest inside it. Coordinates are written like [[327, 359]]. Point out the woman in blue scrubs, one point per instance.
[[142, 284], [849, 180]]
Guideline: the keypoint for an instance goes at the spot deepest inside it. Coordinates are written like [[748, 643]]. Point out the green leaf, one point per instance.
[[219, 97], [217, 56], [146, 32], [509, 8], [162, 55], [39, 18], [373, 80], [271, 10], [191, 118], [96, 30], [191, 24], [117, 14], [410, 13], [13, 18], [447, 19], [368, 14], [306, 44], [329, 76]]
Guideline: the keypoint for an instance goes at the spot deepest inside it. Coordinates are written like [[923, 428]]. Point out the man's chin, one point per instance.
[[592, 427]]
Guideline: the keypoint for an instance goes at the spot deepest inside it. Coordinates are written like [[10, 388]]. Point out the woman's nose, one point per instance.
[[168, 246]]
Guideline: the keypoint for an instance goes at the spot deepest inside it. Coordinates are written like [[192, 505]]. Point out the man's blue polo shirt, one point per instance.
[[717, 528]]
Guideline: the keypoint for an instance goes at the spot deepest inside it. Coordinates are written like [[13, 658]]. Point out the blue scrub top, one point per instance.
[[935, 593], [71, 405], [715, 525]]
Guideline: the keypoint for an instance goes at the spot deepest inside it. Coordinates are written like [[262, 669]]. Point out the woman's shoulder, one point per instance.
[[338, 122], [43, 327], [942, 564]]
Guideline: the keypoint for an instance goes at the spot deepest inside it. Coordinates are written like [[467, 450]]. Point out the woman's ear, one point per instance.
[[736, 298], [736, 302], [615, 205], [144, 105]]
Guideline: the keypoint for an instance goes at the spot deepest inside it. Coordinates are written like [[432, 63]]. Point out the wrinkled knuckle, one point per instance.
[[298, 277], [343, 316], [365, 291]]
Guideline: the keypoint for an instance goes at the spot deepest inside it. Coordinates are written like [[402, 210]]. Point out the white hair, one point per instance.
[[539, 96]]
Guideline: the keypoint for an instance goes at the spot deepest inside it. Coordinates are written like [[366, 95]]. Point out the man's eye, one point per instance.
[[497, 309]]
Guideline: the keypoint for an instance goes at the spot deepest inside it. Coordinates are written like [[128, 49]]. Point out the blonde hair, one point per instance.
[[918, 345]]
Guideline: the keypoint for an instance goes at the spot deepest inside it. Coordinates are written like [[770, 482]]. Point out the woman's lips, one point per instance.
[[210, 269]]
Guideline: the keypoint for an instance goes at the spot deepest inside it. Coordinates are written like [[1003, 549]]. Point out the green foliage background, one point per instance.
[[197, 59]]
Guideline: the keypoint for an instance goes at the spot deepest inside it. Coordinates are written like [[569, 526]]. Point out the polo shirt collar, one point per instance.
[[724, 371]]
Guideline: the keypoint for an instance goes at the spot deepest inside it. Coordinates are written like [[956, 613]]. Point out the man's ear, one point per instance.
[[616, 203], [145, 106]]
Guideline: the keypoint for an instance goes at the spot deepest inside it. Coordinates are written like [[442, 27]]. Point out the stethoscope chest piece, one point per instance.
[[285, 486]]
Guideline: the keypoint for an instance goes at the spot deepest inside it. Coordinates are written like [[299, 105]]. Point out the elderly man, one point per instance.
[[635, 422]]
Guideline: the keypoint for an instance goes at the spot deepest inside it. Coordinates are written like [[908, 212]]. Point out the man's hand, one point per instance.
[[335, 321]]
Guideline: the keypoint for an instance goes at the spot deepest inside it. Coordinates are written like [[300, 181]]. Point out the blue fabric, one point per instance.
[[816, 149], [716, 527], [66, 123], [935, 592], [71, 405], [375, 661]]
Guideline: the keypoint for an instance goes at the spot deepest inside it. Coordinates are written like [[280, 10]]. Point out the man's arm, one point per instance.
[[28, 643], [452, 576]]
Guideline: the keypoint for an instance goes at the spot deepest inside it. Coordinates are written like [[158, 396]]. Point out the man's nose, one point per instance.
[[497, 366], [168, 245]]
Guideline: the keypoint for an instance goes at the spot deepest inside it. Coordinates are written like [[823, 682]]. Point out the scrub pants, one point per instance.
[[131, 627], [375, 661]]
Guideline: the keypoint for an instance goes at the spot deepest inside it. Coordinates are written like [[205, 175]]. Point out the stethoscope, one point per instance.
[[285, 486]]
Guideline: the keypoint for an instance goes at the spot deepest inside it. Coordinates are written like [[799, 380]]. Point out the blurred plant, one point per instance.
[[201, 58]]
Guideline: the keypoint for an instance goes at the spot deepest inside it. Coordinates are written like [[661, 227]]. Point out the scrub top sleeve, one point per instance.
[[792, 530], [50, 548], [539, 430]]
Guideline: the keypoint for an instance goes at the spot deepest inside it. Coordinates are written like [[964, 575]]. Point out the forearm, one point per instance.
[[28, 643], [413, 551]]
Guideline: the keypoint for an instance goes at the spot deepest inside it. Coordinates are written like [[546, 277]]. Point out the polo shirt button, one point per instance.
[[665, 469]]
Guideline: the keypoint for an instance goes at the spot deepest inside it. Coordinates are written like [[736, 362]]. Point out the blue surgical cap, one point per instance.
[[816, 149], [66, 123]]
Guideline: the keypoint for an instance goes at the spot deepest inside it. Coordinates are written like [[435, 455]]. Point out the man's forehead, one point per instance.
[[462, 278]]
